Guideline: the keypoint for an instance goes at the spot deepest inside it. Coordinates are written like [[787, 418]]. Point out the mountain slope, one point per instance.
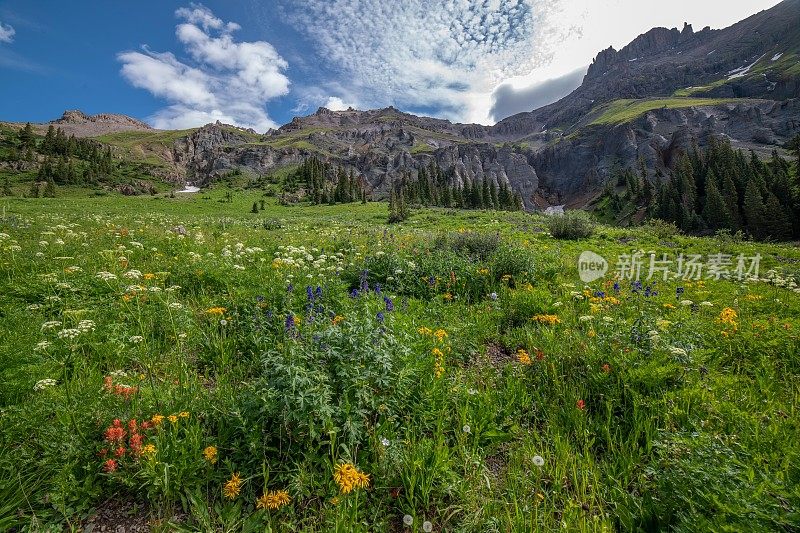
[[665, 91]]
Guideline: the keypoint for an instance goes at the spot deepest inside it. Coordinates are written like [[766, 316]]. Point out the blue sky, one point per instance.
[[259, 63]]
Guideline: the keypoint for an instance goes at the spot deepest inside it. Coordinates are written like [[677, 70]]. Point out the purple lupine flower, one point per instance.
[[309, 293], [259, 298], [431, 281], [389, 304], [289, 288], [380, 317], [616, 286], [354, 293], [289, 321], [363, 280], [493, 296], [377, 288], [678, 292], [318, 292], [599, 294]]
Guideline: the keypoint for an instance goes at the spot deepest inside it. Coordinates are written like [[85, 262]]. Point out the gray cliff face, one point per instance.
[[578, 166], [562, 152]]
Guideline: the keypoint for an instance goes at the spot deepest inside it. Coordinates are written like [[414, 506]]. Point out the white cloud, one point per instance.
[[7, 33], [448, 58], [226, 80], [441, 56], [334, 103]]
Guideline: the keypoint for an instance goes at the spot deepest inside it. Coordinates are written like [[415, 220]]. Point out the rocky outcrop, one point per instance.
[[79, 124]]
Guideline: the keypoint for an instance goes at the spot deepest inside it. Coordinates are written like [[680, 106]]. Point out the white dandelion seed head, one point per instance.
[[427, 526], [466, 428], [538, 460]]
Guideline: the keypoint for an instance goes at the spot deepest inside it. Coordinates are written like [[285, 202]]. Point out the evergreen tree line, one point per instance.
[[721, 188], [327, 183], [68, 160], [434, 187]]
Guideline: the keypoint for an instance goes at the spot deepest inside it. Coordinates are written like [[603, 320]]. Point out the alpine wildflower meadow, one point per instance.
[[326, 371]]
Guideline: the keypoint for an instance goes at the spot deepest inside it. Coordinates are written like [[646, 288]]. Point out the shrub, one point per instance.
[[474, 245], [571, 226]]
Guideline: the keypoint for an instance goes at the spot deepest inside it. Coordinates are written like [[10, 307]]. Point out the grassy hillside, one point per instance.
[[188, 365], [620, 111]]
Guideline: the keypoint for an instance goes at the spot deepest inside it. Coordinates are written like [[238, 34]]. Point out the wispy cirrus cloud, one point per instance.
[[7, 33], [419, 55], [221, 79]]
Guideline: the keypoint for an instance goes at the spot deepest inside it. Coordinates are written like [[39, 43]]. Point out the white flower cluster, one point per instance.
[[43, 384], [132, 274], [300, 257], [106, 276], [774, 278], [51, 324]]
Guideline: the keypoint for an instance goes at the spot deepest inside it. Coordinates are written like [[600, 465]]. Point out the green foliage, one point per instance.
[[571, 225], [637, 408], [620, 111]]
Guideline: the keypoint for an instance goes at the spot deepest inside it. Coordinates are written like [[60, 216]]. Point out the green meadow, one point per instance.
[[315, 369]]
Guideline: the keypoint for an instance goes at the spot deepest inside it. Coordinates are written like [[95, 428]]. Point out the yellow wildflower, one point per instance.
[[157, 419], [216, 310], [232, 487], [424, 331], [728, 316], [550, 320], [172, 418], [273, 499], [524, 357], [210, 454], [183, 414], [149, 275], [149, 451], [348, 478], [440, 334], [337, 319]]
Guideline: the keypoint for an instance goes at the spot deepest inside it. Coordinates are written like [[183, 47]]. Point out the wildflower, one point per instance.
[[216, 311], [290, 322], [120, 451], [43, 384], [427, 527], [523, 357], [110, 465], [210, 454], [493, 296], [273, 499], [538, 460], [440, 334], [380, 316], [408, 519], [550, 320], [348, 478], [385, 442], [424, 331], [389, 304], [172, 418], [232, 487], [337, 319], [447, 296], [580, 404], [466, 429], [115, 432], [606, 368], [136, 339], [157, 419], [149, 451], [728, 316]]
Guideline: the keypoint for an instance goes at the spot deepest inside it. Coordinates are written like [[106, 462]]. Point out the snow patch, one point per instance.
[[742, 71], [777, 56], [711, 52]]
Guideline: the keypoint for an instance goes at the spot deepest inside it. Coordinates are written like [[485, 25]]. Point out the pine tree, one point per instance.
[[754, 211], [716, 212], [27, 137], [6, 188], [49, 189], [33, 192], [778, 224]]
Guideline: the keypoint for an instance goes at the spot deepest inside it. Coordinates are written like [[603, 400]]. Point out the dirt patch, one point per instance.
[[115, 516]]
